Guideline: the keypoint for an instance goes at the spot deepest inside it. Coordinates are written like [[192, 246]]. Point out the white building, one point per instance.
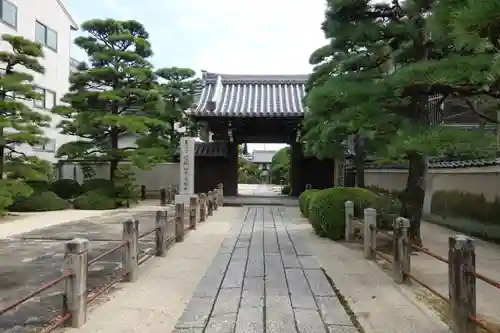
[[49, 23]]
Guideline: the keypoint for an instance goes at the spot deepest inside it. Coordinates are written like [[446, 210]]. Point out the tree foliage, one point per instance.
[[280, 167], [177, 88], [379, 70], [112, 95]]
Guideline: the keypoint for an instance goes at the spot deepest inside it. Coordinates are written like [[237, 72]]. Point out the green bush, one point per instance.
[[39, 185], [388, 208], [305, 200], [94, 200], [465, 205], [286, 190], [66, 188], [104, 185], [40, 202], [327, 210], [126, 190]]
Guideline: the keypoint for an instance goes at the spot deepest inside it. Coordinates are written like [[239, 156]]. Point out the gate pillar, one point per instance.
[[296, 176]]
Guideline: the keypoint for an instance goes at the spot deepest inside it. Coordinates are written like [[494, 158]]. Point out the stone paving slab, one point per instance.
[[34, 258], [261, 280]]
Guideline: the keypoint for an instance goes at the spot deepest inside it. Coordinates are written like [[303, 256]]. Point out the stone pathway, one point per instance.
[[263, 281]]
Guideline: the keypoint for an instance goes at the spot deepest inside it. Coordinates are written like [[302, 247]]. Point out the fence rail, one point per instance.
[[461, 264], [167, 230]]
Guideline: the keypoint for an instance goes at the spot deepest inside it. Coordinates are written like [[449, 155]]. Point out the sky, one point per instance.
[[225, 36]]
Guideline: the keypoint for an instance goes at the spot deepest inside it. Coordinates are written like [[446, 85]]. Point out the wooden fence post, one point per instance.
[[143, 192], [75, 286], [401, 249], [349, 213], [203, 207], [163, 196], [193, 212], [210, 203], [221, 194], [160, 234], [179, 222], [130, 256], [370, 234], [462, 283], [216, 199]]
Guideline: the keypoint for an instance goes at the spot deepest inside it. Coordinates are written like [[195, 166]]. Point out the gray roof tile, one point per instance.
[[443, 164], [233, 95]]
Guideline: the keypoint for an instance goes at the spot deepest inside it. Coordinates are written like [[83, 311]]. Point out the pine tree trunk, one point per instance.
[[113, 165], [359, 162], [414, 195]]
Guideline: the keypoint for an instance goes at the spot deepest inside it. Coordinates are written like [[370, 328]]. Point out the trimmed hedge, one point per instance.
[[286, 190], [305, 200], [466, 205], [104, 185], [94, 200], [40, 202], [39, 185], [327, 209], [66, 188]]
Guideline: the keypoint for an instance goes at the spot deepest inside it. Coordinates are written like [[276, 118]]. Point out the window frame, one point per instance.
[[43, 101], [2, 11], [46, 29]]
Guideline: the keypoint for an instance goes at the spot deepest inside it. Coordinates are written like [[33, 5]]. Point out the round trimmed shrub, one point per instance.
[[104, 185], [285, 190], [305, 200], [66, 188], [40, 202], [39, 185], [388, 208], [94, 200], [327, 210]]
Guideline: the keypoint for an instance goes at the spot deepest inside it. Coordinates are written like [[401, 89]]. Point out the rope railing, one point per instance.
[[167, 230], [461, 265]]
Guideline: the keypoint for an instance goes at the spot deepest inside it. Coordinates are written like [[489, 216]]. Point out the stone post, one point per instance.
[[170, 193], [130, 256], [193, 212], [349, 213], [163, 196], [216, 199], [210, 203], [462, 283], [221, 194], [370, 233], [75, 286], [401, 250], [203, 207], [161, 234], [179, 222]]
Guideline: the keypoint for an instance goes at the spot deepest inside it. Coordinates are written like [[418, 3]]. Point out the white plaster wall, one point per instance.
[[57, 64]]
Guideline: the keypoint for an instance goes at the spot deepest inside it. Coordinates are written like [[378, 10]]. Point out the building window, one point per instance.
[[47, 100], [48, 147], [45, 36], [8, 14]]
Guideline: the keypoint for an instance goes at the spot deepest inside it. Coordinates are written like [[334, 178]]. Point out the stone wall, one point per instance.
[[478, 180]]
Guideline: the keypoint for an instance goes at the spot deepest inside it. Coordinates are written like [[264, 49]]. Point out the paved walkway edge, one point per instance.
[[380, 305], [155, 302]]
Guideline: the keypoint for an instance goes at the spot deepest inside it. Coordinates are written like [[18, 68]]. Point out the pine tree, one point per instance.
[[114, 94], [19, 123], [387, 50], [177, 87]]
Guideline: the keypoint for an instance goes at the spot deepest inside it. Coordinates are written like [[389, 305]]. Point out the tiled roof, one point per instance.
[[208, 149], [444, 164], [250, 95], [262, 156]]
